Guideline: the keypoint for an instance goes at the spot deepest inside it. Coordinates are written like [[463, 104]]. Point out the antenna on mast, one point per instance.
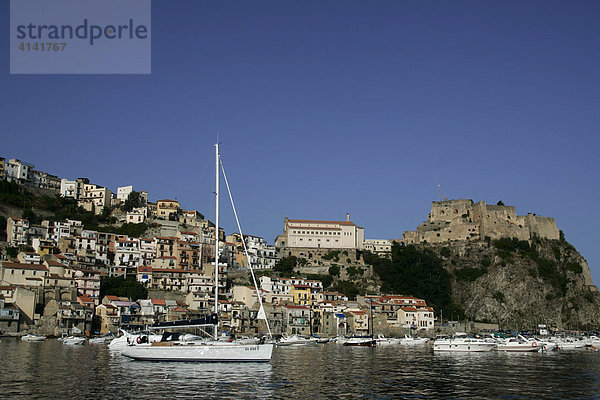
[[439, 192]]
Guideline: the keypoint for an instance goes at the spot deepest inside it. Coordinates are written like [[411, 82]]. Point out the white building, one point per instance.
[[300, 233], [128, 255], [95, 198], [73, 189], [16, 170], [137, 215], [381, 247], [17, 231], [56, 230], [123, 193]]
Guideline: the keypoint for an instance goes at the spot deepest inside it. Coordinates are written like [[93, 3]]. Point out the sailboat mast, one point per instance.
[[216, 234]]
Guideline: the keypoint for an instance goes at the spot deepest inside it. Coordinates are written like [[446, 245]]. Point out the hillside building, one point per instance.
[[300, 233]]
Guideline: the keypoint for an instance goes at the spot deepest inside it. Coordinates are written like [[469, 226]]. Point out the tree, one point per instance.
[[286, 265], [122, 287], [134, 200], [12, 252], [30, 215], [500, 203], [334, 270], [414, 271], [348, 288]]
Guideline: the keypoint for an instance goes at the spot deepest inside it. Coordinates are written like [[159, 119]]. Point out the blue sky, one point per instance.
[[324, 108]]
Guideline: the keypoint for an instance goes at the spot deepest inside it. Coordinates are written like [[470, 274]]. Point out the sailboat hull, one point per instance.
[[201, 352]]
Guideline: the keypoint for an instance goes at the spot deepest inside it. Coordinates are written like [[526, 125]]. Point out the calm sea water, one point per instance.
[[50, 370]]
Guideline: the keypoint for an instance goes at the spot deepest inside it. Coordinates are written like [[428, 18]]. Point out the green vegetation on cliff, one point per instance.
[[118, 286], [416, 272], [59, 208]]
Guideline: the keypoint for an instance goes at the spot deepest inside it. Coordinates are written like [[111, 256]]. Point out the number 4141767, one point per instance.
[[41, 46]]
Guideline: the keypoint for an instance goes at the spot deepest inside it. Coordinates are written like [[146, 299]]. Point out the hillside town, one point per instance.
[[53, 282]]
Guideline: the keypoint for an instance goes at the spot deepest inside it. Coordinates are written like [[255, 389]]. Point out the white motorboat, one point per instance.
[[100, 339], [518, 344], [593, 341], [296, 340], [570, 344], [73, 341], [214, 350], [462, 342], [544, 343], [33, 338], [413, 341], [365, 341], [385, 341]]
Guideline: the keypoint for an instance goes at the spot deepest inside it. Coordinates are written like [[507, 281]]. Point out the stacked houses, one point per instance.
[[53, 284]]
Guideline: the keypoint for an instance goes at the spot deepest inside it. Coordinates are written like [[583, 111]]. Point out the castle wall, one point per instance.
[[464, 220], [499, 221], [448, 210], [544, 227]]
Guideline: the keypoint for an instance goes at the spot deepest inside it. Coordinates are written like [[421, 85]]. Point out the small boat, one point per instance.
[[296, 340], [413, 341], [545, 344], [33, 338], [462, 342], [518, 344], [73, 341], [385, 341], [366, 341], [100, 340], [570, 344]]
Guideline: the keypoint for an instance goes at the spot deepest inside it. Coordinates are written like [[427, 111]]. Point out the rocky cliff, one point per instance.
[[520, 284]]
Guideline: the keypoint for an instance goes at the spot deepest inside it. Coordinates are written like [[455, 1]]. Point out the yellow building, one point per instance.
[[167, 208], [301, 295]]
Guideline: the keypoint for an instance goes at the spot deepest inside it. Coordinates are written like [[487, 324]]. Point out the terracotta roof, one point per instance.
[[56, 276], [144, 269], [24, 266], [361, 312], [159, 302], [167, 257], [409, 308], [172, 270], [302, 286], [311, 221], [314, 227], [85, 299], [293, 306], [168, 200]]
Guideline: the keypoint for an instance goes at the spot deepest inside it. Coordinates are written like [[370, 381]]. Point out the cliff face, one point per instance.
[[521, 284]]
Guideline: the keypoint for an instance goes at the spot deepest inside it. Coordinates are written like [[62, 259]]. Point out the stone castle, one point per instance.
[[464, 220]]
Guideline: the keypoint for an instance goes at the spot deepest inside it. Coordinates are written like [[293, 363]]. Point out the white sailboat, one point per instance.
[[208, 350]]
